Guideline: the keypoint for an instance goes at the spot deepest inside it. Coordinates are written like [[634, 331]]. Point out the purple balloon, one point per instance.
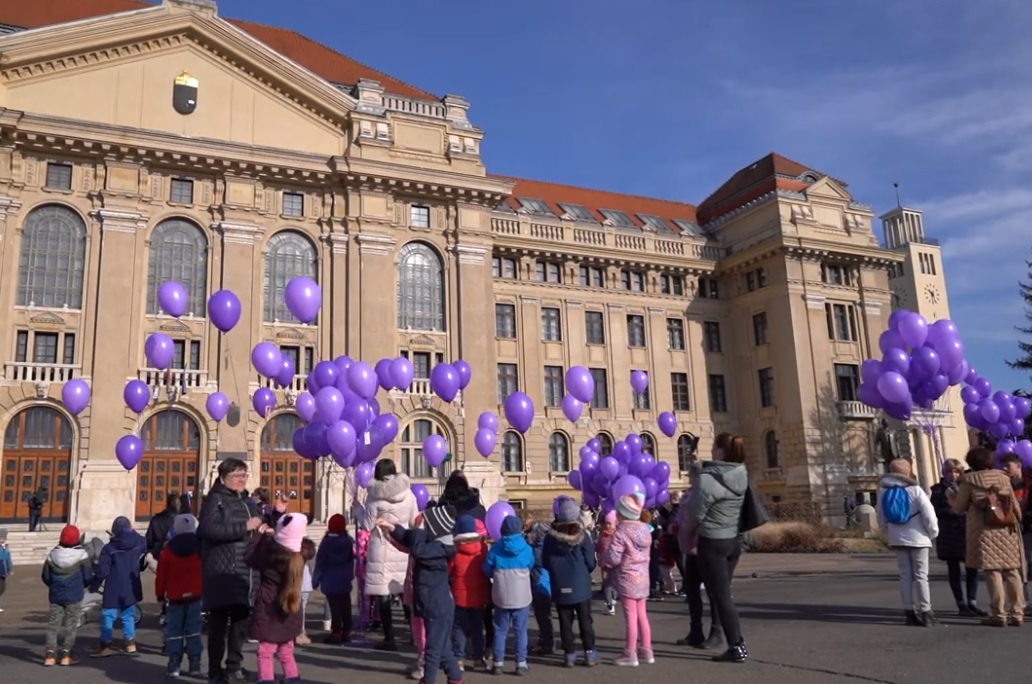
[[937, 386], [580, 384], [224, 310], [639, 381], [362, 380], [519, 411], [595, 444], [574, 479], [444, 381], [159, 350], [651, 488], [634, 442], [622, 452], [998, 430], [329, 405], [1005, 446], [499, 511], [172, 298], [572, 408], [263, 401], [343, 363], [1022, 407], [941, 331], [285, 377], [312, 383], [267, 359], [628, 484], [370, 444], [591, 499], [217, 406], [488, 421], [609, 467], [302, 447], [435, 450], [896, 317], [951, 352], [896, 360], [957, 374], [1017, 427], [364, 474], [303, 298], [890, 339], [358, 413], [900, 410], [315, 437], [387, 424], [662, 497], [971, 376], [661, 473], [983, 386], [75, 395], [868, 394], [136, 395], [586, 451], [989, 410], [969, 395], [893, 387], [342, 440], [667, 423], [484, 441], [383, 374], [1007, 413], [422, 496], [1024, 451], [913, 328], [465, 373], [325, 374], [305, 406], [129, 451], [973, 415], [402, 373], [870, 371]]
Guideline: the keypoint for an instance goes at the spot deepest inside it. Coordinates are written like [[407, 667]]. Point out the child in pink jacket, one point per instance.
[[627, 559]]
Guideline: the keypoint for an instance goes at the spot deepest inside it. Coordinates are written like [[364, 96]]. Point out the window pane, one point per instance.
[[52, 260], [420, 289], [179, 252], [289, 255]]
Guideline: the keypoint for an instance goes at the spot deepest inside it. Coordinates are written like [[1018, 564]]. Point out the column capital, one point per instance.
[[238, 233], [9, 207], [471, 254], [120, 221], [338, 242], [375, 243]]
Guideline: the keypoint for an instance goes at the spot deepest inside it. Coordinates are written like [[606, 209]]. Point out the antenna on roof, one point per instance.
[[899, 203]]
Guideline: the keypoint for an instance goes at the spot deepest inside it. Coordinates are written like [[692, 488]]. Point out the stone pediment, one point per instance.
[[291, 334], [47, 318], [826, 188], [126, 70], [174, 326]]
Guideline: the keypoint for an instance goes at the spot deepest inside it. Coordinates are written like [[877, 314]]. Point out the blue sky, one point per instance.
[[668, 98]]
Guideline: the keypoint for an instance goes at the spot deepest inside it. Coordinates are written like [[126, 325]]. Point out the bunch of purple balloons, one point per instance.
[[919, 363], [1000, 414], [602, 480]]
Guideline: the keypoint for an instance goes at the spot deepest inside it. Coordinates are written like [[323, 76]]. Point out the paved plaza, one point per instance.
[[807, 619]]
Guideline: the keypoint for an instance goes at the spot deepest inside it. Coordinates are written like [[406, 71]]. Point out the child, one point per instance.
[[541, 592], [605, 536], [628, 560], [416, 623], [667, 561], [334, 573], [471, 590], [178, 581], [431, 547], [6, 565], [365, 620], [67, 572], [569, 557], [308, 551], [119, 571], [509, 564], [276, 619]]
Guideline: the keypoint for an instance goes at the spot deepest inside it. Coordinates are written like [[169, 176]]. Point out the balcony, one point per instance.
[[420, 388], [856, 410], [297, 385], [177, 378], [25, 371]]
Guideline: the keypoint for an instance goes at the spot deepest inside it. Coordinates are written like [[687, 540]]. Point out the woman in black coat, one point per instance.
[[464, 498], [951, 544]]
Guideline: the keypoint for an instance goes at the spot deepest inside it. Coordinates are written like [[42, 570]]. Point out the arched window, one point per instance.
[[606, 441], [53, 258], [648, 444], [284, 471], [770, 449], [420, 288], [171, 431], [37, 453], [512, 453], [289, 255], [179, 252], [558, 453], [686, 448], [412, 462], [278, 433]]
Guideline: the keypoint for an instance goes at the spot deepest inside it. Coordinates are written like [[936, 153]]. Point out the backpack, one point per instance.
[[895, 505], [999, 510], [753, 513]]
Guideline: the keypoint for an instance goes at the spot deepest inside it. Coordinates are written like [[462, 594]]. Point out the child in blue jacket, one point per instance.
[[509, 564], [334, 573], [119, 571]]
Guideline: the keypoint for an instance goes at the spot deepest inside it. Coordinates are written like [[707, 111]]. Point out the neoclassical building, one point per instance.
[[141, 143]]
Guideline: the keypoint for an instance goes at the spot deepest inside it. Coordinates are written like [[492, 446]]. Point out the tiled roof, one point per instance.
[[319, 59], [595, 201], [770, 173]]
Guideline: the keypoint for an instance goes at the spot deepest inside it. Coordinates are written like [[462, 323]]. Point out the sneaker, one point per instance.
[[498, 668], [591, 658], [627, 660], [49, 660], [302, 640], [646, 656], [172, 674], [610, 610], [102, 651], [522, 669], [461, 664], [570, 660], [67, 659], [195, 670], [417, 670], [1016, 620], [130, 648]]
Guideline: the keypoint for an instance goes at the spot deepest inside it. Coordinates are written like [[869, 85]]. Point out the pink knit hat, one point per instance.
[[290, 531]]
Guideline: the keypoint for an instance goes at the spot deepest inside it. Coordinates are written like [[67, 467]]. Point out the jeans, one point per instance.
[[582, 613], [469, 624], [34, 518], [227, 632], [717, 560], [542, 605], [636, 624], [1005, 587], [517, 618], [107, 623], [340, 613], [913, 578], [183, 632], [957, 587], [609, 593], [284, 653], [438, 653], [693, 596], [63, 618]]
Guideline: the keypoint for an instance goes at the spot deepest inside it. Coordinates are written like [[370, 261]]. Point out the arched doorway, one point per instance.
[[282, 470], [37, 452], [171, 461]]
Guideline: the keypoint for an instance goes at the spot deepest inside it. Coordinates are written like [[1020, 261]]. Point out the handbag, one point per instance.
[[754, 513]]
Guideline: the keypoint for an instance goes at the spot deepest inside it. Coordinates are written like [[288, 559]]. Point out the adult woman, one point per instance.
[[388, 497], [228, 518], [713, 515], [950, 545], [688, 543], [465, 499], [996, 551]]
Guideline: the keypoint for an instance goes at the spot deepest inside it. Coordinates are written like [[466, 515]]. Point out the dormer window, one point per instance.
[[617, 218], [577, 212], [688, 227], [809, 178], [534, 206], [655, 223]]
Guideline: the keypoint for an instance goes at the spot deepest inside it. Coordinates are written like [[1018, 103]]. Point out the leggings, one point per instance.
[[419, 634], [284, 653], [970, 582], [386, 617], [636, 622], [717, 560]]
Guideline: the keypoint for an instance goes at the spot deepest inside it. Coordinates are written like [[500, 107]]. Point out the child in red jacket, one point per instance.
[[178, 581], [471, 589]]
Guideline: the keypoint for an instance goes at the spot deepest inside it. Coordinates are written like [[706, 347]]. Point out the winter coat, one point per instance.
[[687, 536], [988, 548], [67, 572], [922, 527], [335, 565], [431, 595], [627, 559], [119, 569], [536, 536], [470, 586], [569, 560], [386, 564], [158, 531], [6, 564], [269, 623], [228, 581], [716, 508], [178, 577], [466, 505], [508, 564], [950, 545]]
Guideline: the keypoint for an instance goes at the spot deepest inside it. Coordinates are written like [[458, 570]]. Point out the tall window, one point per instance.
[[412, 462], [632, 280], [711, 335], [420, 288], [600, 400], [717, 394], [512, 453], [642, 401], [290, 255], [592, 276], [648, 443], [766, 376], [179, 252], [594, 327], [635, 331], [554, 386], [505, 321], [508, 381], [759, 328], [548, 272], [841, 322], [53, 257], [551, 325], [685, 452], [671, 285], [171, 430], [680, 392], [770, 449], [847, 379], [606, 442], [675, 334], [558, 453]]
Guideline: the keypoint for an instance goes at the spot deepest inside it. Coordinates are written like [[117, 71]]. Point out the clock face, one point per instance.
[[932, 294], [901, 298]]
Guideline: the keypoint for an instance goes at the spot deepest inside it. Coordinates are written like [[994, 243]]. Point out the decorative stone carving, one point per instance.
[[469, 254], [31, 172], [88, 178], [119, 221], [814, 301], [372, 243], [238, 233], [47, 318]]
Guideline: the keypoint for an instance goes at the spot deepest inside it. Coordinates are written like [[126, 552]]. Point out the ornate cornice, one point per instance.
[[9, 207], [814, 301], [468, 254], [375, 243], [338, 243], [118, 221], [238, 233]]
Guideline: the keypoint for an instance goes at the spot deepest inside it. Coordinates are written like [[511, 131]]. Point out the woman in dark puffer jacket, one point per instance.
[[951, 544]]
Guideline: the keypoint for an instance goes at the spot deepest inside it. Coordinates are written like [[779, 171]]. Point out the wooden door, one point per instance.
[[282, 470], [37, 453], [171, 461]]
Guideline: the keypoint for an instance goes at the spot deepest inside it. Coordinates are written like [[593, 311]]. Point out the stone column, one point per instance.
[[374, 278], [335, 296]]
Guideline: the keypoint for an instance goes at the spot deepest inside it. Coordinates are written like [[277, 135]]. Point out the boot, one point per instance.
[[695, 637], [130, 648], [928, 619], [964, 610], [975, 610], [735, 654], [911, 619], [715, 638], [49, 659]]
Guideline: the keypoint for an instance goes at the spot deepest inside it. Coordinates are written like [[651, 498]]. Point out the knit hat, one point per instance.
[[184, 524], [611, 517], [629, 506], [465, 528], [558, 502], [439, 522], [120, 526], [481, 527], [290, 531], [511, 525], [337, 524], [567, 510], [70, 536]]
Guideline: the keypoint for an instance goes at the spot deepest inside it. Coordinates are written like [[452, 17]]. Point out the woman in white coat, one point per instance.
[[388, 497]]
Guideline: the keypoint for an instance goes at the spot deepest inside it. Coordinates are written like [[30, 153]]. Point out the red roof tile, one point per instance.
[[752, 182], [319, 59]]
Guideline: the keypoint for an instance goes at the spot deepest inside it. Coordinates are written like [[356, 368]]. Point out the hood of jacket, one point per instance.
[[184, 545], [393, 489], [889, 480], [537, 533], [734, 475], [127, 540], [337, 543], [67, 558], [469, 547], [568, 542], [512, 545]]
